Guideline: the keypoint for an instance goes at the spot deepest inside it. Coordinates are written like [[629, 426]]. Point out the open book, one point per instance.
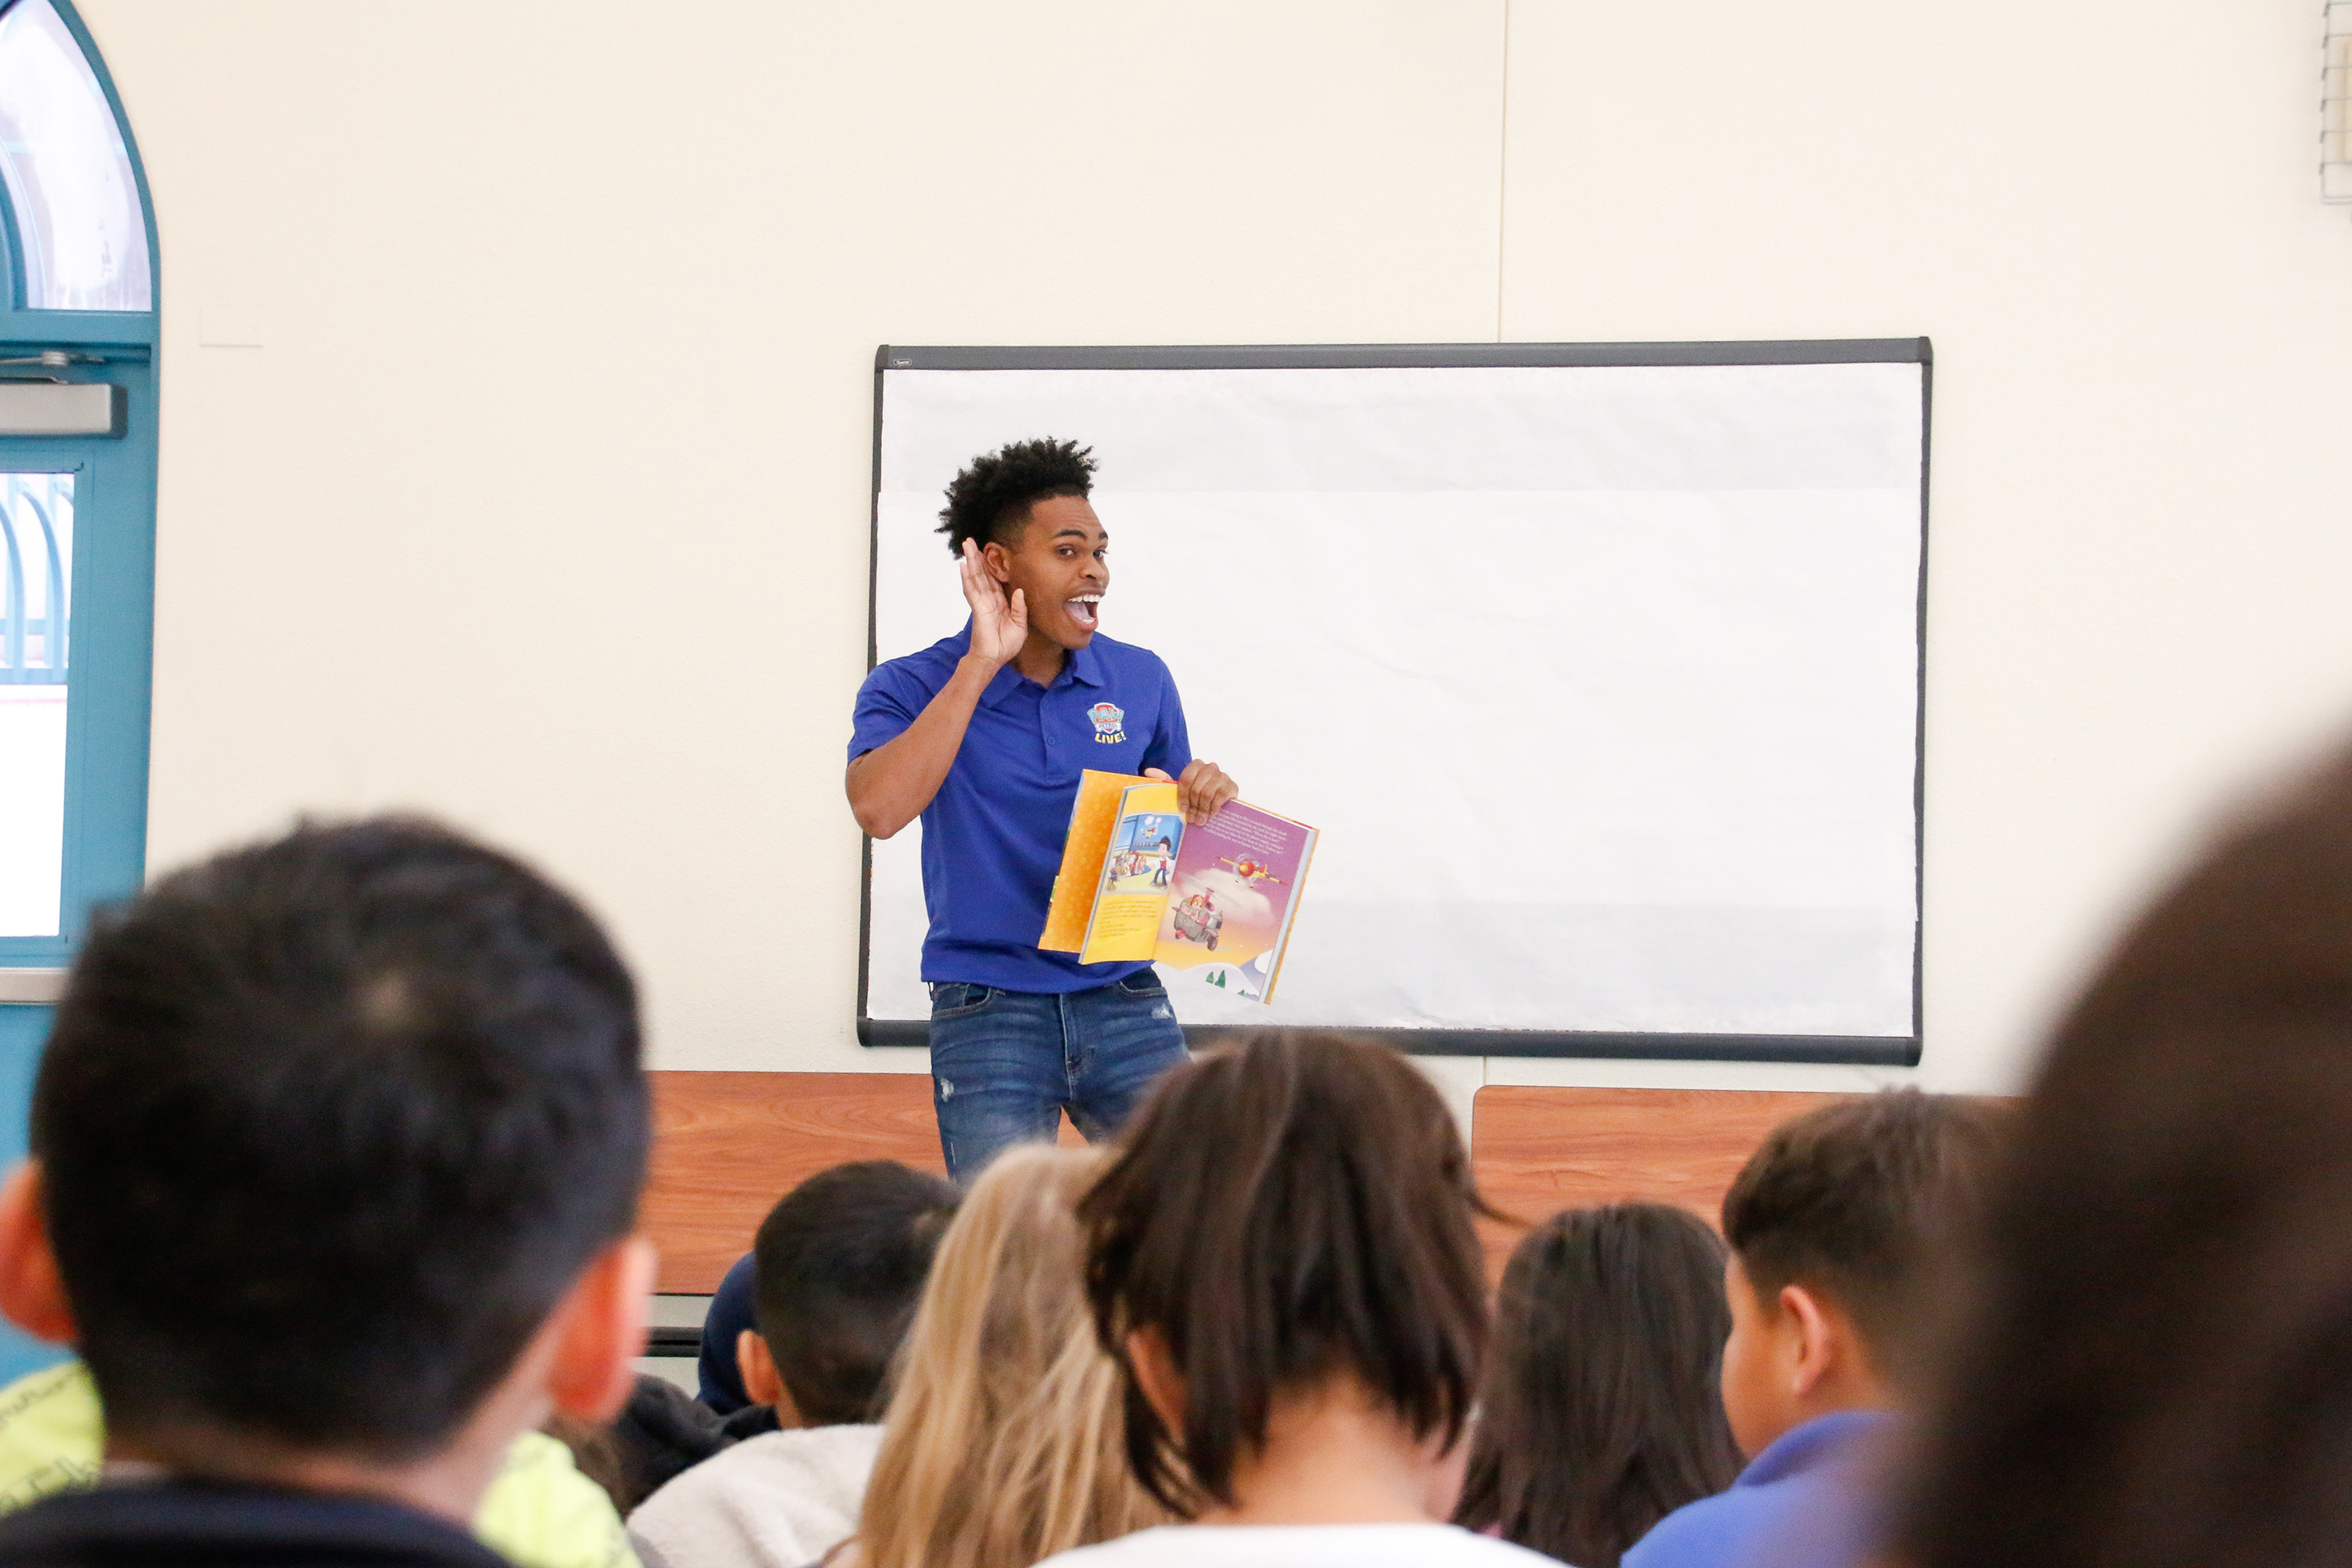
[[1138, 882]]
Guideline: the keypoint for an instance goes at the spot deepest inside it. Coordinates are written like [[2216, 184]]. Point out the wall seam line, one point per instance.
[[1503, 174]]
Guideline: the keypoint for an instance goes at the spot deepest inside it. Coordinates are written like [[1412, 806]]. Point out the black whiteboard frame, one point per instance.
[[1868, 1050]]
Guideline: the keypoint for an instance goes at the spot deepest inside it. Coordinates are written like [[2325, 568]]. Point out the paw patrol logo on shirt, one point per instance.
[[1111, 724]]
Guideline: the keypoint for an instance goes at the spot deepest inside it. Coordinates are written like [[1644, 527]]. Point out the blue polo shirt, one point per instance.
[[1808, 1500], [993, 836]]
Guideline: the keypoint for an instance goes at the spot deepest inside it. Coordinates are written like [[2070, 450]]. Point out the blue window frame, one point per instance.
[[78, 295], [74, 248]]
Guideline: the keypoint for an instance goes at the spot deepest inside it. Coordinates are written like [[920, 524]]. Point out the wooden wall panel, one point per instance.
[[1539, 1150], [727, 1146]]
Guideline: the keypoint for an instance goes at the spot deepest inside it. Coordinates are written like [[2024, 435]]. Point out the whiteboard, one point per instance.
[[1599, 668]]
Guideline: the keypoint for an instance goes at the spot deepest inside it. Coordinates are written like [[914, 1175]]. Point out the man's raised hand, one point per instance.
[[1000, 627]]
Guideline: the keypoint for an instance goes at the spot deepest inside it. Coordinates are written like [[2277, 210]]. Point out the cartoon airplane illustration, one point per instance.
[[1251, 873]]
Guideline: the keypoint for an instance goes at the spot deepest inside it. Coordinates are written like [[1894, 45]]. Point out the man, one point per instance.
[[336, 1149], [983, 735]]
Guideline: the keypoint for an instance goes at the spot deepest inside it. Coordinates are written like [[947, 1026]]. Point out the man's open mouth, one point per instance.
[[1086, 610]]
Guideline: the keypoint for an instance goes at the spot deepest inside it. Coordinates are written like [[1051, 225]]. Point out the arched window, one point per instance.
[[80, 220], [78, 344]]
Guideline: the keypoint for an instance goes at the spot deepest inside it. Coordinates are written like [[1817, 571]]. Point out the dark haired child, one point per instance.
[[1839, 1226], [732, 1312], [546, 1508], [2154, 1372], [839, 1266], [336, 1149], [983, 735], [1602, 1410], [1283, 1263]]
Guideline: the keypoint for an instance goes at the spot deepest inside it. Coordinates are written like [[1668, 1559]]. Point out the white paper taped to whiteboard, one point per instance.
[[1602, 681]]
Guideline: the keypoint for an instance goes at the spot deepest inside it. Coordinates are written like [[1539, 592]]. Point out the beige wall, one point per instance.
[[543, 503]]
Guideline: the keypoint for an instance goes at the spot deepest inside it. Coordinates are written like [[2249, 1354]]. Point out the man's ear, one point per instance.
[[762, 1381], [32, 1292], [1157, 1379], [601, 1331], [998, 560]]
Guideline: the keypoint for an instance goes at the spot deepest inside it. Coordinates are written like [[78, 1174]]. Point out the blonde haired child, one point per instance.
[[1004, 1441]]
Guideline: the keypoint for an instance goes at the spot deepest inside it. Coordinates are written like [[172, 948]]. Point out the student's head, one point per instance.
[[2157, 1366], [1025, 509], [1840, 1226], [840, 1262], [336, 1144], [1003, 1444], [1601, 1412], [1290, 1220]]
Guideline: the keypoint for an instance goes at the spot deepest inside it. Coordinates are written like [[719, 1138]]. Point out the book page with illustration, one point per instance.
[[1138, 867], [1235, 893]]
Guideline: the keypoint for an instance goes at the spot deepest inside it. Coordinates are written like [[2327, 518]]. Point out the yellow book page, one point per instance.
[[1092, 818], [1127, 907]]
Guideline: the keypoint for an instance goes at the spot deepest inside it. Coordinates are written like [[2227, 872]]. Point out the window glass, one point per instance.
[[82, 232], [36, 513]]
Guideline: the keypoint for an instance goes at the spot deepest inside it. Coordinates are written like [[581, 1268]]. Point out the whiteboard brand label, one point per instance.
[[1111, 724]]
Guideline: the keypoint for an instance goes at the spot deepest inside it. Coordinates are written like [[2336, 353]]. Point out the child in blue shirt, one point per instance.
[[1836, 1228]]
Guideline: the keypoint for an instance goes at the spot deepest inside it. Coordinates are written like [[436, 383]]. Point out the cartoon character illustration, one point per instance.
[[1198, 919], [1251, 873], [1165, 859]]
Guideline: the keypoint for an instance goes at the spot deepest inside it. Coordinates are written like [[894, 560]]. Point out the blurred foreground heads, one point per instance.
[[2157, 1366], [337, 1146]]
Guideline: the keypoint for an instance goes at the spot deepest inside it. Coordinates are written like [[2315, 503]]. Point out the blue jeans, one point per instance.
[[1004, 1064]]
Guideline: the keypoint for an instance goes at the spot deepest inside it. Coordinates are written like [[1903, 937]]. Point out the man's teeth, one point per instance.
[[1083, 610]]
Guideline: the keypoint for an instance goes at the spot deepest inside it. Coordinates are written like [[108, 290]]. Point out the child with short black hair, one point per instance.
[[839, 1267], [336, 1150], [1838, 1226], [1283, 1262]]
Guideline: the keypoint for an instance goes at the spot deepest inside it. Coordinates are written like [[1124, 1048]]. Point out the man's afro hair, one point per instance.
[[1002, 487]]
